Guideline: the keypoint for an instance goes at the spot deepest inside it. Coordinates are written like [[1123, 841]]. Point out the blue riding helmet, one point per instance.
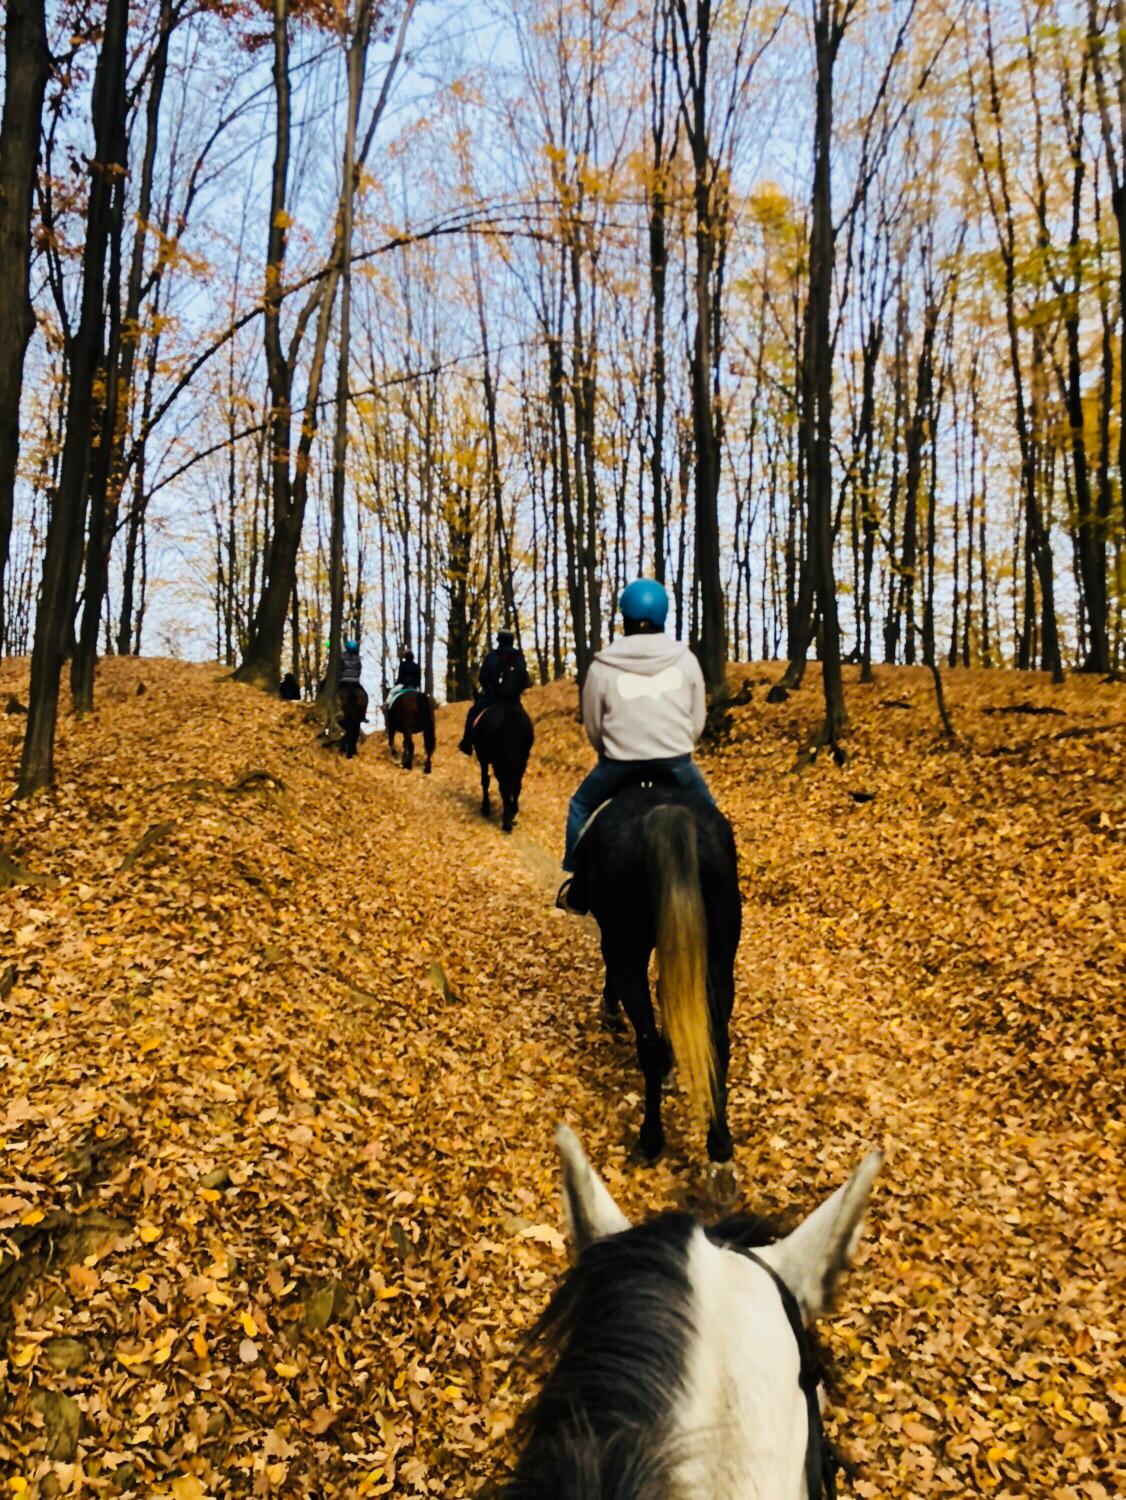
[[645, 599], [351, 646]]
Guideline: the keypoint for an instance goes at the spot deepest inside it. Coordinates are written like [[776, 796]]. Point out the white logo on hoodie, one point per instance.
[[633, 685]]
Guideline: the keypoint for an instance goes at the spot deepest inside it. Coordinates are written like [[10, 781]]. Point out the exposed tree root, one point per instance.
[[12, 874], [940, 699], [150, 837], [1026, 708]]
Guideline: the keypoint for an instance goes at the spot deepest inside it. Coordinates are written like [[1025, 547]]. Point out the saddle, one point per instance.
[[398, 692], [477, 717], [359, 692], [645, 773]]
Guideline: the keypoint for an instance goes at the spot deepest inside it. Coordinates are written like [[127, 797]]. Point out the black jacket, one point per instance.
[[410, 674], [493, 666]]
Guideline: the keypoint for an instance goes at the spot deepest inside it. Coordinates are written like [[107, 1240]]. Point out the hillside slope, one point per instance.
[[282, 1051]]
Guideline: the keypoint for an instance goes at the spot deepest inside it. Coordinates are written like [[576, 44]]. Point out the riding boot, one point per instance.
[[572, 896]]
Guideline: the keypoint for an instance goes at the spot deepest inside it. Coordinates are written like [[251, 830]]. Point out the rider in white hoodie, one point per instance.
[[644, 701]]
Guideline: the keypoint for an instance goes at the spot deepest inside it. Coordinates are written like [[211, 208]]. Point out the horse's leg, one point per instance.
[[486, 805], [611, 1009], [517, 787], [428, 741], [391, 740], [408, 749], [504, 781], [721, 999], [630, 975]]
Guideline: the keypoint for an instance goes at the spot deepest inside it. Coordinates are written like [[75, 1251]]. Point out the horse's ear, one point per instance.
[[591, 1212], [810, 1259]]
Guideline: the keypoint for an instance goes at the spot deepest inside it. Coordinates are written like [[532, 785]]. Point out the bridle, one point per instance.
[[822, 1464]]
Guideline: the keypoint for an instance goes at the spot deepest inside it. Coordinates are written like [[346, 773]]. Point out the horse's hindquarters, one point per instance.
[[658, 868]]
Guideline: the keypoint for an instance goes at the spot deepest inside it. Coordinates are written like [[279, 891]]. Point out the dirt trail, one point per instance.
[[296, 1069]]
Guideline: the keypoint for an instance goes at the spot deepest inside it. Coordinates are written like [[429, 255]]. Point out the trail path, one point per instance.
[[282, 1090]]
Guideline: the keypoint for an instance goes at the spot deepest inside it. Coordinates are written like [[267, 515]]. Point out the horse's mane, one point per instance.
[[618, 1331], [748, 1231]]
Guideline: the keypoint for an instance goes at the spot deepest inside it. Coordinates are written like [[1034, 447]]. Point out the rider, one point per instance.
[[502, 656], [410, 671], [644, 702], [350, 663]]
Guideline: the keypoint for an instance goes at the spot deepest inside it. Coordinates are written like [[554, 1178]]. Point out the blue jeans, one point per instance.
[[605, 780]]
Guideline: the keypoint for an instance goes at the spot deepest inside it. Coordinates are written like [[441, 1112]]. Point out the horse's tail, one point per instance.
[[429, 739], [682, 950]]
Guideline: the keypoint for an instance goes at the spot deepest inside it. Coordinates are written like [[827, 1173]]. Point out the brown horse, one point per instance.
[[411, 713], [353, 712]]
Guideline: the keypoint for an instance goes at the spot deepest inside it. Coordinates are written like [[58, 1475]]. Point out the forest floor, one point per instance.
[[280, 1059]]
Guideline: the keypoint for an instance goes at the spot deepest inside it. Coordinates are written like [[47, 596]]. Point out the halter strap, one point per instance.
[[821, 1463]]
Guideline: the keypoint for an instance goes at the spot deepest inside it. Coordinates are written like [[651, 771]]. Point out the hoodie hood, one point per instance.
[[645, 654]]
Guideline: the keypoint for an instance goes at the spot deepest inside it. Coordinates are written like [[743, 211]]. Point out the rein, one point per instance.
[[821, 1462]]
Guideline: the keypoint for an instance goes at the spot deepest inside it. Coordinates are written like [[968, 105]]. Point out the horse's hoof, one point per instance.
[[612, 1020], [650, 1148], [723, 1183], [506, 828]]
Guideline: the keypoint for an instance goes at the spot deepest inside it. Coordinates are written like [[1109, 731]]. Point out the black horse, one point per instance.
[[658, 865], [353, 712], [502, 738], [411, 713]]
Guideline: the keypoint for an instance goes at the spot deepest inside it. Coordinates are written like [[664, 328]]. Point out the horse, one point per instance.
[[659, 869], [502, 738], [409, 713], [353, 711], [678, 1358]]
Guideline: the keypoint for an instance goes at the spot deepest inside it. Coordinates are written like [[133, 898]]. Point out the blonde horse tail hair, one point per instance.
[[682, 947]]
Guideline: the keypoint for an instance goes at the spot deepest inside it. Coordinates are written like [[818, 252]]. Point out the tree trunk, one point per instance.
[[62, 562], [504, 550], [711, 644], [27, 63], [357, 57], [916, 438], [1092, 521], [828, 33], [108, 472], [658, 270], [869, 511], [261, 663]]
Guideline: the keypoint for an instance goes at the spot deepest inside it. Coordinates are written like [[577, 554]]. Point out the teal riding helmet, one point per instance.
[[645, 599], [351, 646]]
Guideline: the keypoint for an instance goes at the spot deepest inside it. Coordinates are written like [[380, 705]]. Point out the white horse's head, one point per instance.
[[683, 1367]]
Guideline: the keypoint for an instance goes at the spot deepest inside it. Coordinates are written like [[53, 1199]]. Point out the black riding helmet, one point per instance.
[[505, 638]]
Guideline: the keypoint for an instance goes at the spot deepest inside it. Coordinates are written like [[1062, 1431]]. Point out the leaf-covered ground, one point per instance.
[[280, 1057]]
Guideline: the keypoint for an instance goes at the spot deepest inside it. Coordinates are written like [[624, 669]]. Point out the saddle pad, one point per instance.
[[397, 692]]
